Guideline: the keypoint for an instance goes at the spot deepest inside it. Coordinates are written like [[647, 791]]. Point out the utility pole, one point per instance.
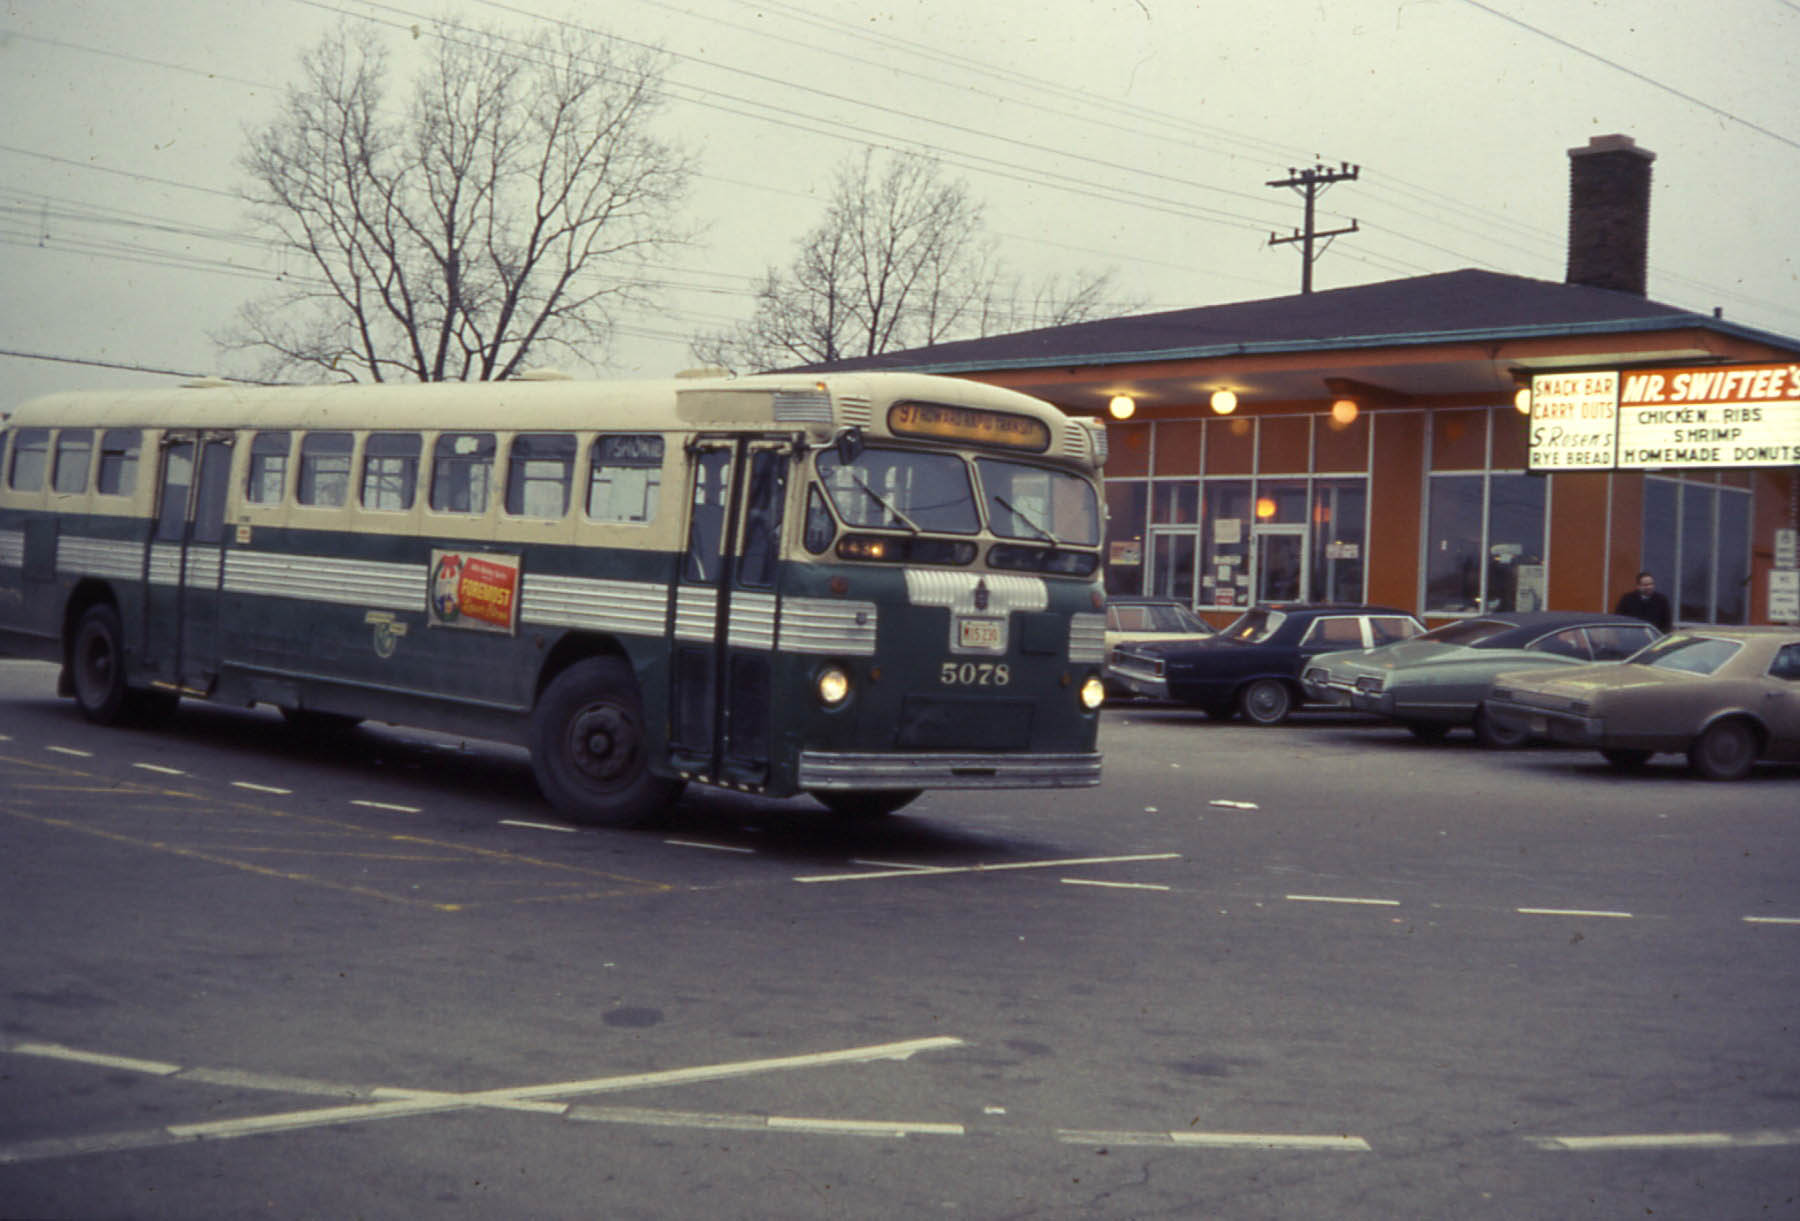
[[1309, 183]]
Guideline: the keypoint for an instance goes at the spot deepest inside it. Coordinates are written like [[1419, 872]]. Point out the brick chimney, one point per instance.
[[1609, 214]]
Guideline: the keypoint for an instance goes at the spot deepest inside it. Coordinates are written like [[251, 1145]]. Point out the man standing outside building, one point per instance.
[[1645, 603]]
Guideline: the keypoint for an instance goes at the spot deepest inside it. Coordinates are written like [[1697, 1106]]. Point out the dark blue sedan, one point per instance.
[[1254, 666]]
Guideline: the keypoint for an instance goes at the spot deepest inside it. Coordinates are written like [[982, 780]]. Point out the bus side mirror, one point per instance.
[[849, 444]]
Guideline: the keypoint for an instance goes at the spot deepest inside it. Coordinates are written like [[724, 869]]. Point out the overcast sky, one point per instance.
[[1134, 135]]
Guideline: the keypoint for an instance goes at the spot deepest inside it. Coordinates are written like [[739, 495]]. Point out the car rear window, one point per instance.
[[1694, 654], [1467, 632], [1254, 625]]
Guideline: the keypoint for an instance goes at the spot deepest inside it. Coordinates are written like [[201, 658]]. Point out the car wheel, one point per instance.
[[1626, 760], [1496, 736], [1432, 732], [1725, 750], [1267, 701]]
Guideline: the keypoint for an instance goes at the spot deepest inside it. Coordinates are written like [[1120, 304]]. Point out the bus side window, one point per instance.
[[325, 469], [462, 472], [30, 454], [624, 478], [268, 468], [74, 450], [390, 476], [119, 449], [540, 470]]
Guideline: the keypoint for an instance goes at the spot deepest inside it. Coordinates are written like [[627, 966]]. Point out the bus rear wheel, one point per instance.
[[97, 666], [875, 804], [588, 747]]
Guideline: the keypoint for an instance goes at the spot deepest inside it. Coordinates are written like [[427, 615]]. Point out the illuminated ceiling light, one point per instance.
[[1522, 400], [1121, 407], [1265, 507], [1344, 410], [1224, 402]]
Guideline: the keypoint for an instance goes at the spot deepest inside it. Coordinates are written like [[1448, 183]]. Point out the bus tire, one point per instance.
[[875, 803], [97, 666], [589, 751]]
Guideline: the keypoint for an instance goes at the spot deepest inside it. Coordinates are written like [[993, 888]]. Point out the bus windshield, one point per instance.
[[1034, 502], [902, 489]]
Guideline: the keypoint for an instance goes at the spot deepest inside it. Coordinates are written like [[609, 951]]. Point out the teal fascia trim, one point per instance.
[[1628, 326]]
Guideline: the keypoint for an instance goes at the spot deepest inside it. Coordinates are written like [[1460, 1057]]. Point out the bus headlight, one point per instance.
[[833, 686], [1093, 692]]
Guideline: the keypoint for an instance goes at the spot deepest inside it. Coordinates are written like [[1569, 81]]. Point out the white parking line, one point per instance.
[[537, 826], [70, 750], [1220, 1140], [1572, 911], [1765, 1139], [915, 871], [382, 805], [160, 769], [694, 843], [1115, 885], [260, 788], [1342, 899], [1772, 919]]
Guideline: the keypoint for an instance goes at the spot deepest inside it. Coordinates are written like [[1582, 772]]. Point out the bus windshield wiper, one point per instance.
[[881, 500], [1025, 517]]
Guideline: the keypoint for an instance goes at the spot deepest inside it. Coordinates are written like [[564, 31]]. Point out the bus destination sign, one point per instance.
[[1645, 419], [969, 424]]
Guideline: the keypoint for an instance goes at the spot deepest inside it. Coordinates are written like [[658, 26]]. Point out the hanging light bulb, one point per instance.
[[1224, 402], [1121, 407]]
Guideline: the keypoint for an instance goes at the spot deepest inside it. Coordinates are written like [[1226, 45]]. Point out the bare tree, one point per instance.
[[901, 259], [505, 207]]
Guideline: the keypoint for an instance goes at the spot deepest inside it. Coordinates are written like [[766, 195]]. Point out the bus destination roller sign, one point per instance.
[[1646, 419]]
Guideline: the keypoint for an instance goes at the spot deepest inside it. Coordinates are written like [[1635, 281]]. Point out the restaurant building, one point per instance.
[[1373, 444]]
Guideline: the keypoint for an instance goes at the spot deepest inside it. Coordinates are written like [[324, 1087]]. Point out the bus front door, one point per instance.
[[186, 563], [726, 606]]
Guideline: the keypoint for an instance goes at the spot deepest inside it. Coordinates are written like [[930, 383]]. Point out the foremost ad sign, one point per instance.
[[1705, 416]]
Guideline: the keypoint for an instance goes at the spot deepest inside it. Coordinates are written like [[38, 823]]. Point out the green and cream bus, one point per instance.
[[854, 586]]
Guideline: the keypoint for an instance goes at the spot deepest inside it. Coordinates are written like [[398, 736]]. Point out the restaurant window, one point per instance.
[[1485, 543], [1697, 546], [1285, 446], [1231, 446], [1126, 504], [1339, 513], [1225, 543]]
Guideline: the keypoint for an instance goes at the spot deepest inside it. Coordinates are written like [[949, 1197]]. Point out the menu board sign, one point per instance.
[[1646, 419]]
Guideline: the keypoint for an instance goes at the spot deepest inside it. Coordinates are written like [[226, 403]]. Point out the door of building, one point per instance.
[[1279, 557]]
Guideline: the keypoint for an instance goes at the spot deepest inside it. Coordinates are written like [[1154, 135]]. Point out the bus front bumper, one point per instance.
[[841, 771]]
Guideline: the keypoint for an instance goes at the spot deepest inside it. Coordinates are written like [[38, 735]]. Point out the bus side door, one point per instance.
[[726, 607], [186, 562]]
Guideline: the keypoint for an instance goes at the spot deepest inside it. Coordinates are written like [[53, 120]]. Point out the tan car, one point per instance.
[[1726, 696]]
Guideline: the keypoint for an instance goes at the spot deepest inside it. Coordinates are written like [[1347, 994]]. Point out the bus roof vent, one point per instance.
[[803, 406], [544, 375], [704, 371], [857, 410]]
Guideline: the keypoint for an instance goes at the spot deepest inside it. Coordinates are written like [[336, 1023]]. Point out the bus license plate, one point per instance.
[[980, 633]]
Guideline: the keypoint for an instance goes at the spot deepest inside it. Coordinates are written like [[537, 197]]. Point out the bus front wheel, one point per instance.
[[97, 666], [588, 748]]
